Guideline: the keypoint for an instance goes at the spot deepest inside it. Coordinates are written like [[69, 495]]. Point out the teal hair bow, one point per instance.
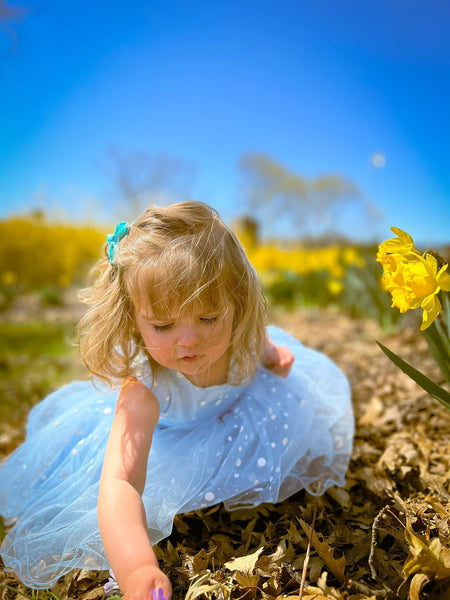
[[113, 239]]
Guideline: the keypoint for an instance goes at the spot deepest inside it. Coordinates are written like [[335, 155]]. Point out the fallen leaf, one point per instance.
[[244, 564], [204, 585], [425, 556], [326, 553], [417, 583]]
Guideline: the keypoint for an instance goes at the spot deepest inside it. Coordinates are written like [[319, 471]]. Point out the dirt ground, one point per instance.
[[386, 535]]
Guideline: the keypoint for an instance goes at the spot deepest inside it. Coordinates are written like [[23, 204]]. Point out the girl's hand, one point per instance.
[[147, 583], [277, 359]]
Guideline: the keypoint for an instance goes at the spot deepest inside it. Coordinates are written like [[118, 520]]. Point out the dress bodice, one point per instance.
[[182, 401]]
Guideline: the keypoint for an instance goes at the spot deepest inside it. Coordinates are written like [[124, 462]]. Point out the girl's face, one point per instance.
[[197, 344]]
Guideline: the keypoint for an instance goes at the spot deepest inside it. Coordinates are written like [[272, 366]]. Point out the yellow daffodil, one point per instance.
[[413, 280], [402, 244]]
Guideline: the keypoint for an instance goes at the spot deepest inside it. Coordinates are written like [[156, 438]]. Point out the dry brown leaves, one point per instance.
[[386, 535]]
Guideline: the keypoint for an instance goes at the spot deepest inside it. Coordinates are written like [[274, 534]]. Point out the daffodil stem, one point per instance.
[[438, 342], [446, 314], [431, 387]]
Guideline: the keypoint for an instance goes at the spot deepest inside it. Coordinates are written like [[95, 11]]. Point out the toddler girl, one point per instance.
[[193, 404]]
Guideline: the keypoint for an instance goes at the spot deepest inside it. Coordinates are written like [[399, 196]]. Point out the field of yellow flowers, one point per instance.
[[345, 277], [37, 255]]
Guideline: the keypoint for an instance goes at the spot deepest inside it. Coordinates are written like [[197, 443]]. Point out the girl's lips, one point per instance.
[[192, 358]]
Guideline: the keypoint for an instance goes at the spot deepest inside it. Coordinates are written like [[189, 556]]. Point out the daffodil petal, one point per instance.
[[401, 244], [405, 237], [431, 264], [431, 308], [443, 279]]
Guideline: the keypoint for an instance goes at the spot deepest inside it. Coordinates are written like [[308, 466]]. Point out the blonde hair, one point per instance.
[[173, 256]]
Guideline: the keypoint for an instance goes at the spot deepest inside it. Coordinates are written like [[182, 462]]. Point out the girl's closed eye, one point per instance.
[[209, 320], [165, 327]]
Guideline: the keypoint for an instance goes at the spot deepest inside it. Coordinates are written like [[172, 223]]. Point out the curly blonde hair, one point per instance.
[[172, 257]]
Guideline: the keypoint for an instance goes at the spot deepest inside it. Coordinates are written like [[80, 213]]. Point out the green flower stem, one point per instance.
[[446, 314], [435, 390], [437, 337]]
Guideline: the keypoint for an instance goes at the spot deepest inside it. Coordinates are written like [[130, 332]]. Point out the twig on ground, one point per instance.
[[308, 549]]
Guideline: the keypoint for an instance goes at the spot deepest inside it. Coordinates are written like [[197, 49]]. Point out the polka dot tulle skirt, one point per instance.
[[240, 445]]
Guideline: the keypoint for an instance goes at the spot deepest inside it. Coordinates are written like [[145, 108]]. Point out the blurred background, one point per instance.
[[311, 126], [340, 107]]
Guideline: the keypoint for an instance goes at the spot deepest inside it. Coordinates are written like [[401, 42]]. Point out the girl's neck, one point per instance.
[[217, 373]]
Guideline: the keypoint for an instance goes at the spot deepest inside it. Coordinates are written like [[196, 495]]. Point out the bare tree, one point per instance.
[[8, 14], [282, 200], [141, 178]]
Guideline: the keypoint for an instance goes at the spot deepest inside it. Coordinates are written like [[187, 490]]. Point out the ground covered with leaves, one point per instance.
[[386, 535]]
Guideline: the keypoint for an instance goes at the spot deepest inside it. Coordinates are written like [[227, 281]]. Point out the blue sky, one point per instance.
[[319, 86]]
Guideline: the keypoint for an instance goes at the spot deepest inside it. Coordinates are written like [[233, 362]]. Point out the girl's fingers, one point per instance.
[[286, 357], [158, 594]]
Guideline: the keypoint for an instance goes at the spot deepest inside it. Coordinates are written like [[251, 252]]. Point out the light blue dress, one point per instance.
[[240, 445]]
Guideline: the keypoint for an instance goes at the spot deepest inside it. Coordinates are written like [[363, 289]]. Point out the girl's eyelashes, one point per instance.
[[209, 320], [162, 327], [203, 321]]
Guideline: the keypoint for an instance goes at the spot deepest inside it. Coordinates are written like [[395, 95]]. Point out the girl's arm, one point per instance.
[[277, 359], [121, 513]]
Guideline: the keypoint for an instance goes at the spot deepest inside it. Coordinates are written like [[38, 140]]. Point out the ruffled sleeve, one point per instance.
[[157, 383]]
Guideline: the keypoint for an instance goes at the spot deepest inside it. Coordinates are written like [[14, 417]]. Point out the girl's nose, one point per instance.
[[188, 336]]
